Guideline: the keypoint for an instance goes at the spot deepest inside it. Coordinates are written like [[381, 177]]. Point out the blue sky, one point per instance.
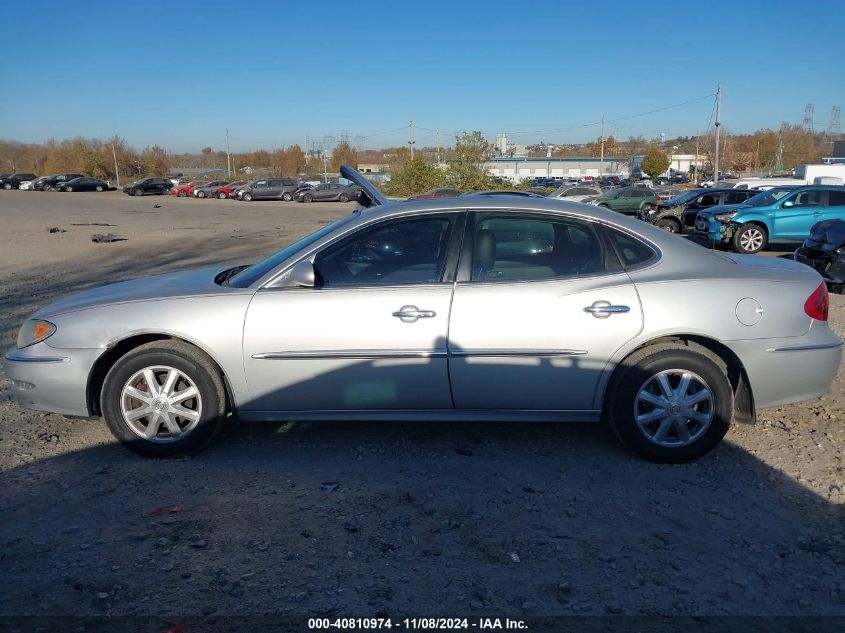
[[178, 74]]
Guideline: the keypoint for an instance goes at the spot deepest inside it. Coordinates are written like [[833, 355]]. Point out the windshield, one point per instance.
[[768, 197], [683, 198], [250, 275]]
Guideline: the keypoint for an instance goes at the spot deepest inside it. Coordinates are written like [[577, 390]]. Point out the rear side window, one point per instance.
[[837, 198], [631, 251], [512, 248]]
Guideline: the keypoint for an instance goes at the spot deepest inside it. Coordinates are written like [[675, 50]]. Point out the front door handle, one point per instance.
[[409, 314], [603, 309]]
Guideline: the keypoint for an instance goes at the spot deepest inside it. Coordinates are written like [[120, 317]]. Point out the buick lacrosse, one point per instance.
[[473, 308]]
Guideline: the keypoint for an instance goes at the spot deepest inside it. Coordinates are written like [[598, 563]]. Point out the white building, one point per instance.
[[516, 169], [677, 163]]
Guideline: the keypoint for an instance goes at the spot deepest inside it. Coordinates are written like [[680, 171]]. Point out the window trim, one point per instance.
[[457, 217], [464, 269]]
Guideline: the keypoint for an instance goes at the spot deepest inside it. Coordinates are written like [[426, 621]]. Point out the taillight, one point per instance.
[[817, 304]]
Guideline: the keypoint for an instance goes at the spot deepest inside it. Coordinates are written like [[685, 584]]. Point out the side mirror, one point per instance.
[[302, 274], [787, 203]]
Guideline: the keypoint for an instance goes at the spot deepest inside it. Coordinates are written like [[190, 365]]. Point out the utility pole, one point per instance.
[[228, 155], [437, 143], [325, 168], [411, 140], [116, 170], [601, 166], [696, 161], [718, 123]]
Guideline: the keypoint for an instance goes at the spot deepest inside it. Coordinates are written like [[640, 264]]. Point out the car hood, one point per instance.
[[374, 197], [189, 283], [828, 232]]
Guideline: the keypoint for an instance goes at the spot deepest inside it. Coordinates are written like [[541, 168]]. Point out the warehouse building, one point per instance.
[[516, 169]]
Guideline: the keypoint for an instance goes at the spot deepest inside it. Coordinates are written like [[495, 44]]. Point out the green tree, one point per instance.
[[154, 161], [655, 162], [344, 154], [466, 162], [415, 176]]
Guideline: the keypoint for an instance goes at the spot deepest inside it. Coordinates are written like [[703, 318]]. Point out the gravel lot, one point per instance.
[[366, 518]]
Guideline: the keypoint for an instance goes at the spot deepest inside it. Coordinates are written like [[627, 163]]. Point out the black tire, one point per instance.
[[186, 359], [247, 197], [646, 207], [670, 225], [138, 192], [68, 188], [604, 206], [181, 193], [750, 238], [200, 194], [98, 188], [221, 195], [286, 196], [640, 370], [308, 198], [7, 186], [46, 188], [344, 198]]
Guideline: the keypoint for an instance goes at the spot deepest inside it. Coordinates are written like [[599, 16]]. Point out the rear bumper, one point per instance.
[[787, 370], [49, 379]]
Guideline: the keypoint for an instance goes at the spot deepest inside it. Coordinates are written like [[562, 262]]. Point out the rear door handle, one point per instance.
[[409, 314], [603, 309]]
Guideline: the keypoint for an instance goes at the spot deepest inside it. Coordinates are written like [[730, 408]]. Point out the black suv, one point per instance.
[[14, 181], [50, 182], [148, 185], [677, 215]]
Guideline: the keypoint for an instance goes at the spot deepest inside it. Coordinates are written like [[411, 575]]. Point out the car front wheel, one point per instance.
[[98, 188], [200, 194], [247, 197], [221, 195], [670, 403], [164, 398], [668, 224], [138, 192], [750, 239], [307, 198], [344, 197]]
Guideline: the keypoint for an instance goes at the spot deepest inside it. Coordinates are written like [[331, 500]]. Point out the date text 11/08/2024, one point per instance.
[[436, 624]]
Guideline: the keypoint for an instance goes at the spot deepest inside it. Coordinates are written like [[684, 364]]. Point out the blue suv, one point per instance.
[[779, 214]]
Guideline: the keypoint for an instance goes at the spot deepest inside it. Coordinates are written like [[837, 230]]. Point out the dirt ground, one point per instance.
[[359, 519]]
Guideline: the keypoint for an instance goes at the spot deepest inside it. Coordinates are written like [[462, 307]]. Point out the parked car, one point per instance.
[[630, 200], [13, 181], [678, 214], [209, 189], [47, 183], [225, 191], [777, 215], [26, 185], [269, 189], [83, 183], [610, 319], [575, 194], [443, 192], [182, 190], [824, 250], [146, 186], [505, 192], [326, 192]]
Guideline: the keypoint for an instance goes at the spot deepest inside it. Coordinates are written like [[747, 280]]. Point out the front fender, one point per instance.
[[757, 218]]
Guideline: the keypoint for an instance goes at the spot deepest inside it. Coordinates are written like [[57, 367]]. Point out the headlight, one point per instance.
[[724, 217], [34, 331]]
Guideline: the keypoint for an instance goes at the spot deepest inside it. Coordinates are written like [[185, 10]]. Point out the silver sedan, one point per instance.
[[472, 308]]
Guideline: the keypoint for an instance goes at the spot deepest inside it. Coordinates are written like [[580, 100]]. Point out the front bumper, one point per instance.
[[712, 230], [50, 379]]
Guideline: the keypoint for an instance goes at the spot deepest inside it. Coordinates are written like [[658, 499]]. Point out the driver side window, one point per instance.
[[399, 252]]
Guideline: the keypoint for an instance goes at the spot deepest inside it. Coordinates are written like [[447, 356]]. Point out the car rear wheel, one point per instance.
[[750, 239], [669, 224], [604, 206], [671, 403], [344, 197], [286, 196], [164, 398], [98, 188], [138, 192], [221, 195], [247, 197], [646, 207]]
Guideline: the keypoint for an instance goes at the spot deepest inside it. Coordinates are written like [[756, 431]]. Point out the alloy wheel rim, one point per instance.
[[674, 408], [160, 404], [751, 240]]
